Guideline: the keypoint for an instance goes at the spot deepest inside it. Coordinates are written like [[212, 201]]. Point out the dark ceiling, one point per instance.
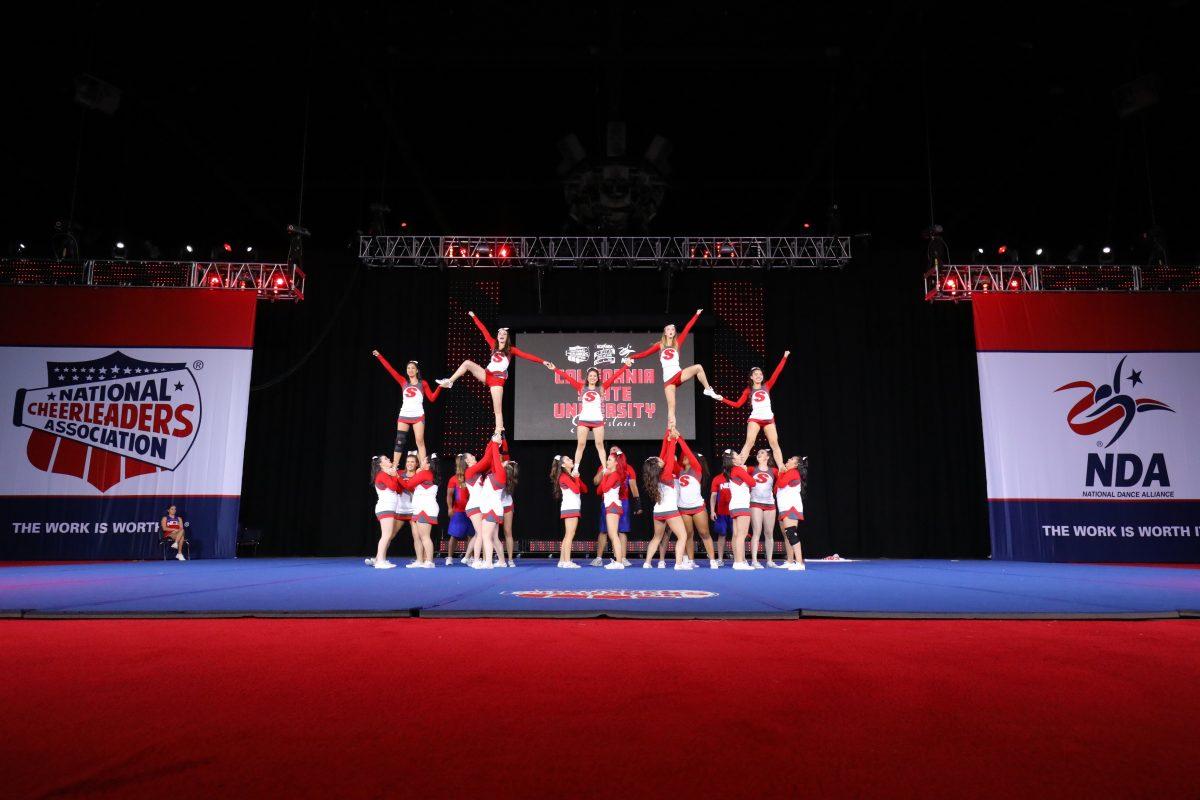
[[450, 114]]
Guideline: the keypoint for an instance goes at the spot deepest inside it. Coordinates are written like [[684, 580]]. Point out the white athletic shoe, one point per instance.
[[647, 565], [174, 545], [662, 564], [710, 392], [449, 561], [742, 565], [467, 561], [512, 564], [567, 565], [500, 563], [683, 565], [714, 564], [179, 557], [445, 383], [796, 566], [757, 565], [614, 565], [370, 562], [427, 565], [597, 562], [625, 562], [383, 565], [413, 565], [772, 565]]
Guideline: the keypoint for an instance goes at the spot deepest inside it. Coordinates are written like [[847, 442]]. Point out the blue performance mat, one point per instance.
[[346, 587]]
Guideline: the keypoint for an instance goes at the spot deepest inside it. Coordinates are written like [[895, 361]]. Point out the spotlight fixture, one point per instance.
[[249, 248], [119, 245], [189, 249], [227, 247], [1002, 249], [1038, 252], [979, 250], [1106, 250]]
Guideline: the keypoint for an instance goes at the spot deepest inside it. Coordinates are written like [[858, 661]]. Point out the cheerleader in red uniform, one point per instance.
[[496, 373], [762, 509], [718, 503], [762, 417], [491, 508], [423, 487], [740, 481], [413, 394], [668, 348], [612, 477], [591, 406], [630, 499], [693, 477], [658, 474], [568, 489], [459, 528], [788, 488], [404, 508], [383, 478]]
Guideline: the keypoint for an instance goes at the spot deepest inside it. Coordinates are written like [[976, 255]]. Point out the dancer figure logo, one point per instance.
[[613, 594], [1104, 406], [110, 419]]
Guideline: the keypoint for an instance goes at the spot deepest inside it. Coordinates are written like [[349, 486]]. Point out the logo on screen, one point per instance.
[[1110, 404], [612, 594], [110, 419]]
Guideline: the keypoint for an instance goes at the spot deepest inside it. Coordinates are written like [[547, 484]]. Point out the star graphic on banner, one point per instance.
[[103, 371], [51, 395], [128, 370], [1135, 377], [179, 387]]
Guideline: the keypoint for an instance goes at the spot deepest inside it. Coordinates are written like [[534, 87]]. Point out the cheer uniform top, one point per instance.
[[386, 491], [762, 494], [172, 525], [610, 492], [591, 401], [412, 396], [460, 523], [690, 496], [760, 399], [667, 506], [668, 357], [404, 499], [787, 495], [740, 482], [720, 487], [424, 496], [572, 489], [498, 362]]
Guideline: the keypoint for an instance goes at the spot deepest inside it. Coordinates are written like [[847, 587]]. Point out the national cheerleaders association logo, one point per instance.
[[613, 594], [1102, 407], [110, 419]]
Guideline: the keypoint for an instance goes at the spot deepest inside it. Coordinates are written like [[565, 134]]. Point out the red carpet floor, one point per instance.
[[602, 708]]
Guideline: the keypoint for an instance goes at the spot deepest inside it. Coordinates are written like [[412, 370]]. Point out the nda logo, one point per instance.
[[1102, 407], [110, 419]]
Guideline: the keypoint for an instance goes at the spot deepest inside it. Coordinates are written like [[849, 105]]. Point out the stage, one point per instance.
[[345, 587]]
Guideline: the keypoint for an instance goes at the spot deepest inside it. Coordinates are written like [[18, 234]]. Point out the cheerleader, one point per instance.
[[668, 349], [404, 508], [693, 477], [383, 478], [496, 373], [612, 477], [761, 416], [740, 481], [762, 509], [567, 488], [506, 501], [423, 488], [658, 473], [456, 501], [788, 488], [628, 493], [413, 395], [591, 405], [718, 502], [490, 509]]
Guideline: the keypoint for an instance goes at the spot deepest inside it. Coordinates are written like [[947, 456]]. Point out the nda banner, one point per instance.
[[1091, 425], [547, 407], [122, 402]]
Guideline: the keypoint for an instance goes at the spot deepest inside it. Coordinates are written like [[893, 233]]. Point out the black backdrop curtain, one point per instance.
[[881, 393]]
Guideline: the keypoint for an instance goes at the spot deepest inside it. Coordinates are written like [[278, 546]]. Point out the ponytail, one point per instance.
[[375, 468], [555, 473], [651, 470]]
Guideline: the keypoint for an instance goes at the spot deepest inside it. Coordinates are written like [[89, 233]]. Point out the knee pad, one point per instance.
[[401, 443], [793, 535]]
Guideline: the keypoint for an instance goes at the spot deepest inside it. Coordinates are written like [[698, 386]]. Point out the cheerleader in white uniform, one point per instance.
[[424, 490], [740, 481], [491, 506], [658, 475], [383, 478], [693, 477], [592, 392], [612, 477], [673, 375], [791, 507], [506, 501], [568, 489], [762, 416], [413, 394], [762, 509], [404, 507]]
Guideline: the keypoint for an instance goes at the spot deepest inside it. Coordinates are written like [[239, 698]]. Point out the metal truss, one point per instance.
[[595, 252], [961, 281], [283, 282]]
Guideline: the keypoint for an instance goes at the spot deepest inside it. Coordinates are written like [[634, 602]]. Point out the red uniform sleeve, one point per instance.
[[421, 476], [395, 375], [519, 353], [743, 474], [716, 484], [687, 451], [651, 350], [430, 396], [775, 374], [687, 329], [569, 379], [481, 466], [668, 470], [491, 340], [610, 480], [740, 401], [499, 476], [606, 385], [788, 477], [502, 451]]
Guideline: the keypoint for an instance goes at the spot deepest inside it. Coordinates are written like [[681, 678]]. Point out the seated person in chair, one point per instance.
[[172, 528]]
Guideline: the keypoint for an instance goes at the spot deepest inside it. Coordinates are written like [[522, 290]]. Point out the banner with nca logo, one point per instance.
[[1091, 423], [133, 401]]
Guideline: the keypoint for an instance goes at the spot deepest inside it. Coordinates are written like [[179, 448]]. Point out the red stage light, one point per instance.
[[1014, 284], [403, 224], [503, 251], [950, 284], [462, 251], [807, 225], [214, 280], [228, 247], [1002, 249], [280, 281]]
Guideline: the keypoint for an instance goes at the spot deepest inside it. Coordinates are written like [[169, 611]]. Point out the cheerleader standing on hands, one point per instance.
[[762, 417], [673, 375], [591, 406], [413, 393], [658, 473], [496, 373], [383, 478], [564, 478]]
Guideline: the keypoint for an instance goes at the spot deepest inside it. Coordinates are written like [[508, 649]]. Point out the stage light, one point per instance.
[[1014, 284], [807, 225], [1038, 251], [20, 247], [979, 250], [120, 245], [1002, 249], [462, 252], [189, 248], [249, 248], [214, 281], [503, 251], [403, 224], [227, 247], [727, 249], [482, 249], [950, 284], [280, 281], [1106, 249]]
